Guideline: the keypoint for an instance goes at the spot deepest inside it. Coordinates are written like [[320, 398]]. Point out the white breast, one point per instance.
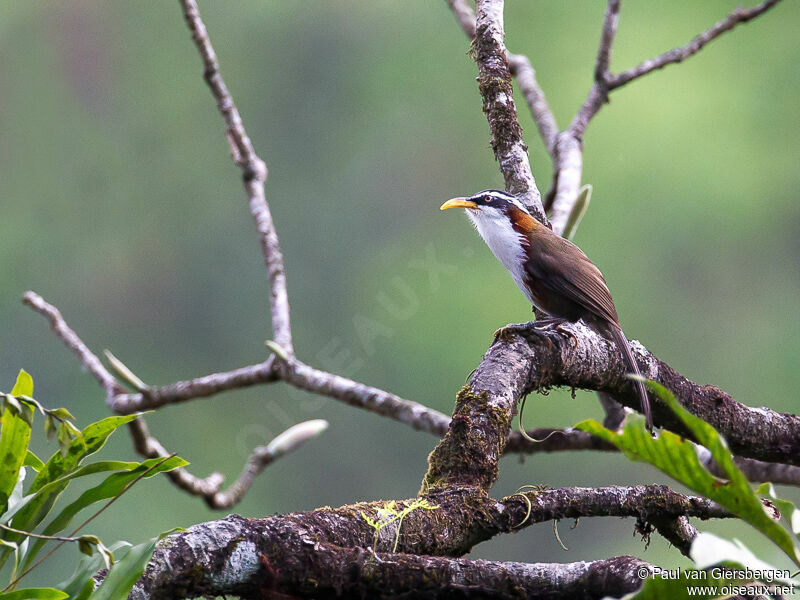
[[504, 242]]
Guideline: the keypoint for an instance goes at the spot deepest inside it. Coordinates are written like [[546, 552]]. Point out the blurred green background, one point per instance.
[[121, 205]]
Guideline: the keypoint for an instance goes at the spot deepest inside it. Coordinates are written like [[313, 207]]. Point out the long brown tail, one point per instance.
[[615, 333]]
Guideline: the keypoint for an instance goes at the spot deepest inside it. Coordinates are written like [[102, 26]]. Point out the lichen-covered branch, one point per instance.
[[340, 552], [270, 559], [524, 73], [494, 84], [577, 357]]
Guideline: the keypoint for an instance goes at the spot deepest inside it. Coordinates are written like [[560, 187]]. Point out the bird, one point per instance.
[[553, 273]]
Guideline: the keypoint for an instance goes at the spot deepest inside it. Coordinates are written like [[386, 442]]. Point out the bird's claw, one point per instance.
[[509, 331], [557, 324]]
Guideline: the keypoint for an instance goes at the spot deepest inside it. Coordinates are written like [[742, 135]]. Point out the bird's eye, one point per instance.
[[487, 199]]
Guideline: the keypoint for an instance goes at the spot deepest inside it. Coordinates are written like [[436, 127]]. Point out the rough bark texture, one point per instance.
[[494, 84], [252, 560], [336, 553]]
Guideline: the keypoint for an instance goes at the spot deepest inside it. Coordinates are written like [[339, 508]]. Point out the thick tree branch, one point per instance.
[[282, 552], [254, 173], [645, 502], [678, 531], [322, 553], [251, 558], [494, 83], [578, 357], [523, 71]]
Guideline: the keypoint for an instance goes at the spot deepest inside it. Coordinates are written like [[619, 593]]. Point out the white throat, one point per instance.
[[504, 242]]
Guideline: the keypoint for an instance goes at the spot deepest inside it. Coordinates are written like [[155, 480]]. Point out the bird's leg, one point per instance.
[[556, 323], [507, 332], [549, 322]]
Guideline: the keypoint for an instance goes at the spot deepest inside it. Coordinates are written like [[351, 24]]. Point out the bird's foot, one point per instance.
[[557, 324], [509, 331]]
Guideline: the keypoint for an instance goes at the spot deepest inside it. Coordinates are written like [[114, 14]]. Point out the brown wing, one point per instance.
[[559, 266]]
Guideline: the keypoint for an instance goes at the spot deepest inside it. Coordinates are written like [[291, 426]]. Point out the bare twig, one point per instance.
[[144, 443], [201, 387], [569, 148], [148, 446], [254, 172], [363, 396], [86, 357], [610, 24], [39, 536], [286, 442], [676, 55], [544, 118]]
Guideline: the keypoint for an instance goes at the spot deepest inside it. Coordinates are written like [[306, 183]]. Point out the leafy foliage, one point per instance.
[[678, 458], [22, 511]]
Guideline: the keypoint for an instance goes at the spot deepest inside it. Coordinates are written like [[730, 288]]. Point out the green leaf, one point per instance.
[[85, 547], [30, 502], [12, 547], [112, 486], [125, 373], [788, 509], [93, 438], [15, 434], [34, 507], [50, 427], [64, 439], [34, 594], [122, 576], [80, 585], [26, 413], [578, 211], [88, 544], [62, 414], [677, 458], [33, 461], [12, 405], [24, 384], [709, 551], [31, 401]]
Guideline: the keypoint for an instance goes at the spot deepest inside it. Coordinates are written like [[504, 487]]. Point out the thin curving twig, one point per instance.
[[254, 173], [679, 54]]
